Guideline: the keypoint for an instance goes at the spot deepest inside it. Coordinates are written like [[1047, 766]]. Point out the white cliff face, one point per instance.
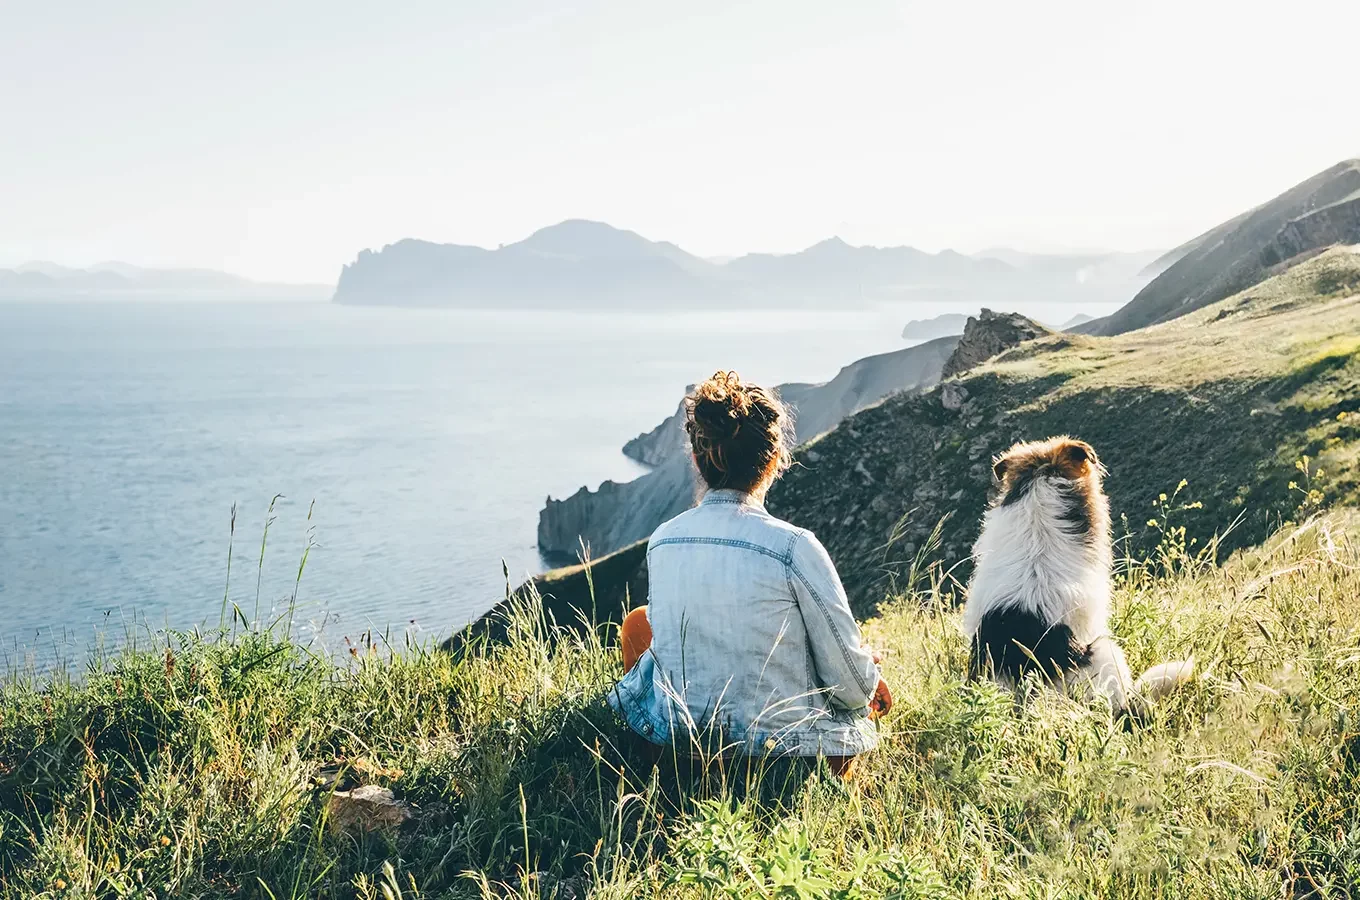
[[616, 514]]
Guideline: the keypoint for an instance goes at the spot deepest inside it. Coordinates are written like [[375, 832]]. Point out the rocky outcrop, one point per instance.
[[619, 514], [1313, 215], [987, 335], [1308, 235]]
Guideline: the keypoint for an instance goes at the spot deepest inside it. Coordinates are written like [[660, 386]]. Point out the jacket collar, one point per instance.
[[729, 495]]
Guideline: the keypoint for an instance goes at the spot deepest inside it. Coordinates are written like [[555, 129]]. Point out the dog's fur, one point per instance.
[[1039, 599]]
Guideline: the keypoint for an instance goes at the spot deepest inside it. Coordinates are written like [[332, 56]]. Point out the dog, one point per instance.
[[1039, 598]]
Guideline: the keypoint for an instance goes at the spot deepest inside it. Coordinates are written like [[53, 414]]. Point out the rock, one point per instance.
[[989, 334], [952, 395], [366, 808]]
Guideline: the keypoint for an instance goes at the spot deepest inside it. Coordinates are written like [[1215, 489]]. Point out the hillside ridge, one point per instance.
[[1320, 212]]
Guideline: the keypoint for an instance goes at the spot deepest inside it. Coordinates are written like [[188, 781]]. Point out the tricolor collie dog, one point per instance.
[[1039, 599]]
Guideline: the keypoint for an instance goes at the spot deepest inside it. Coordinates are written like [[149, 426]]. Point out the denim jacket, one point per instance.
[[752, 639]]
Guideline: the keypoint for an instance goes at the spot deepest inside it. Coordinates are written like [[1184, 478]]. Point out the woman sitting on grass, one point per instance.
[[747, 642]]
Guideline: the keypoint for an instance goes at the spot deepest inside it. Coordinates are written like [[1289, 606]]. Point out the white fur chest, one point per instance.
[[1028, 557]]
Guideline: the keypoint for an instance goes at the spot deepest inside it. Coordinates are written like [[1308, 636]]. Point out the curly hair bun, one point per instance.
[[736, 431]]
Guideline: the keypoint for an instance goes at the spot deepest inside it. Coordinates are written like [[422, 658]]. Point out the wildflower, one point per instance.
[[1318, 474], [1161, 497], [1181, 486], [1152, 523], [165, 841], [1293, 485], [1341, 416], [60, 884]]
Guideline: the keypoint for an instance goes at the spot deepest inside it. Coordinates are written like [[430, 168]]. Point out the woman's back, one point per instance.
[[753, 642], [747, 639]]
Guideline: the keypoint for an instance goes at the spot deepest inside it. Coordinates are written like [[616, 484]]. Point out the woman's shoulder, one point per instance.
[[711, 523]]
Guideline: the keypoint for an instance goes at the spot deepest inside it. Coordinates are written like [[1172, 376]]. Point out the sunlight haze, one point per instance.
[[278, 140]]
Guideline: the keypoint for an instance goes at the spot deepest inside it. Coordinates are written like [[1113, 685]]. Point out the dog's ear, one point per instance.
[[1076, 455], [999, 468]]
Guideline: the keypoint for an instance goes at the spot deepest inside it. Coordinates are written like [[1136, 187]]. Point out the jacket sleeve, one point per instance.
[[844, 668]]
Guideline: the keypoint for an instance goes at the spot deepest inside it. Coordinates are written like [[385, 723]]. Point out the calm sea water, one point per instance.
[[412, 449]]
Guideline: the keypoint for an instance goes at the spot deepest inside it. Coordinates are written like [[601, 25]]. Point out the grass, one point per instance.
[[203, 767]]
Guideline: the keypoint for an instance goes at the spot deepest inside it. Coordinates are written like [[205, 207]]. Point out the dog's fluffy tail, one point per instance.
[[1164, 678]]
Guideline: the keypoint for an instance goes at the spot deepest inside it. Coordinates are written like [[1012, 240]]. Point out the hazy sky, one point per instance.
[[277, 139]]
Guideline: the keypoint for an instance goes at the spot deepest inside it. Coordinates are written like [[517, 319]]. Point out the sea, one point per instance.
[[360, 470]]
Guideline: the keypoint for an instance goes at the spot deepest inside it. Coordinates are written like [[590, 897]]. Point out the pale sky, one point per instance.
[[277, 139]]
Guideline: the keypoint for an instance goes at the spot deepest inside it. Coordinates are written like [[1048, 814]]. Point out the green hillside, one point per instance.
[[1229, 399]]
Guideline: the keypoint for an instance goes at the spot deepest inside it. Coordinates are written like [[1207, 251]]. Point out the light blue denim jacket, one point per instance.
[[752, 639]]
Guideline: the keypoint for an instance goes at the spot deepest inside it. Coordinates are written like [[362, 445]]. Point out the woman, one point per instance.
[[747, 638]]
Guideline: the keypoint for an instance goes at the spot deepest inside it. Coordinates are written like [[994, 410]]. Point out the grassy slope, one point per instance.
[[195, 771], [1229, 398]]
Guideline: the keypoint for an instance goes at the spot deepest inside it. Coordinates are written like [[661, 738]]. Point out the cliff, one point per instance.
[[1313, 215], [619, 514]]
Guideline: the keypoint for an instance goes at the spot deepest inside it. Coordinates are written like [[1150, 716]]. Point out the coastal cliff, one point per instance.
[[616, 514]]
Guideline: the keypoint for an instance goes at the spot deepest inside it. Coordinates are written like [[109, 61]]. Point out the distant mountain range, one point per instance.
[[1305, 220], [582, 264], [37, 280]]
